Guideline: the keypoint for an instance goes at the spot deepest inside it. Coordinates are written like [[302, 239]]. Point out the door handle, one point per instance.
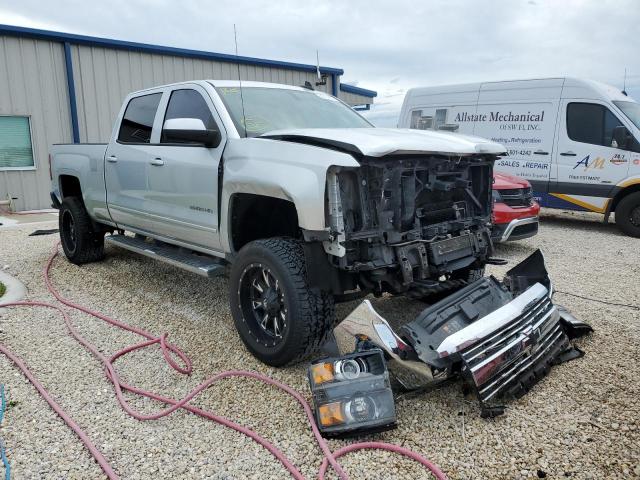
[[112, 159], [157, 162], [540, 152], [568, 154]]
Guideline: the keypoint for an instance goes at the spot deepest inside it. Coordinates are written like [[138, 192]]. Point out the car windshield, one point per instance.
[[631, 110], [267, 109]]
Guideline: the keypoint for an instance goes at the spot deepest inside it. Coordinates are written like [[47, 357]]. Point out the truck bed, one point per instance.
[[84, 161]]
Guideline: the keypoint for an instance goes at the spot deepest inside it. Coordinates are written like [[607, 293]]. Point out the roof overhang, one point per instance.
[[345, 87], [16, 31]]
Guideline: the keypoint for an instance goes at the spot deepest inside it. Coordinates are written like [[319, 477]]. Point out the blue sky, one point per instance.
[[384, 46]]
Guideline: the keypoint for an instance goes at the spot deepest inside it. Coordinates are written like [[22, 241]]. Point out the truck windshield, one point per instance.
[[267, 109], [631, 110]]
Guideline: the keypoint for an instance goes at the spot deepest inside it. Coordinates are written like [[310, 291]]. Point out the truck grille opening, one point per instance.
[[411, 194]]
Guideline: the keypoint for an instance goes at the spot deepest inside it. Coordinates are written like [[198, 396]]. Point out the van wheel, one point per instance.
[[628, 214], [79, 242], [279, 318]]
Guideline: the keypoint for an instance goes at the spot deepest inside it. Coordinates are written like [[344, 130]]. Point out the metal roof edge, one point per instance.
[[345, 87], [72, 38]]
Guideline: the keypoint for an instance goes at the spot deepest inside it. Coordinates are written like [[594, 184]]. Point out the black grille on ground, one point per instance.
[[517, 197], [504, 361]]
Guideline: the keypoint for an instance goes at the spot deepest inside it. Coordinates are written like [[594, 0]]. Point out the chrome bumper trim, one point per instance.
[[518, 222]]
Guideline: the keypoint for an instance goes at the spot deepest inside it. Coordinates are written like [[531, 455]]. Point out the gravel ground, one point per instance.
[[580, 422]]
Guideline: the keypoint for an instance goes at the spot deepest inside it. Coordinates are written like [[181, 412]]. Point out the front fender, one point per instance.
[[279, 169]]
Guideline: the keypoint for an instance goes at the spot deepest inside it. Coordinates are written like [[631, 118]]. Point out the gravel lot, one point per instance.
[[580, 422]]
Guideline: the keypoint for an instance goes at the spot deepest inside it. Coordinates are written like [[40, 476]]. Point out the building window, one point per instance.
[[16, 151]]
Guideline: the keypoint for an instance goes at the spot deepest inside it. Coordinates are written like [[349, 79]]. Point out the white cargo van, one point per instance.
[[577, 141]]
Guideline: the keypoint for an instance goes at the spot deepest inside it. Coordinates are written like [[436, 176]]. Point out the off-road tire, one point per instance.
[[86, 245], [628, 214], [310, 312]]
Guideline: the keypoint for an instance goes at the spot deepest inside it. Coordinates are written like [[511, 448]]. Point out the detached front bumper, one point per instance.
[[500, 337]]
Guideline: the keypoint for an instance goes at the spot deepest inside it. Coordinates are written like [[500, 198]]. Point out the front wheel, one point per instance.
[[628, 214], [279, 317]]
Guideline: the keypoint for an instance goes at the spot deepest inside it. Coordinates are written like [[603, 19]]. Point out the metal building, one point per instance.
[[60, 88]]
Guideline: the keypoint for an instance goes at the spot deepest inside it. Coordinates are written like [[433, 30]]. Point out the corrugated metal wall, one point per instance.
[[103, 77], [33, 82]]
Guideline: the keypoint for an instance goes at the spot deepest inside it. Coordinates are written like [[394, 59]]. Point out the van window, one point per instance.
[[631, 110], [137, 122], [188, 104], [441, 118], [591, 123], [421, 122]]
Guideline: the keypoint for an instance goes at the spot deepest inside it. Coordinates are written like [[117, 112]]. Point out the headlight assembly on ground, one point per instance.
[[352, 394]]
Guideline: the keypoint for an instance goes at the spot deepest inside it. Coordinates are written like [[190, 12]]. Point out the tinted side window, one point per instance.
[[137, 122], [188, 104], [591, 123]]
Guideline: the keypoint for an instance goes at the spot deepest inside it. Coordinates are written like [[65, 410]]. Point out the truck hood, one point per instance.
[[378, 142]]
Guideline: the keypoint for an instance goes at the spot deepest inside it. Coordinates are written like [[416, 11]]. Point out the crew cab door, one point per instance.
[[182, 176], [588, 163], [126, 162]]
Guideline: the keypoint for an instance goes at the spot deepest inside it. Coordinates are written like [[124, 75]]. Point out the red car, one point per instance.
[[515, 212]]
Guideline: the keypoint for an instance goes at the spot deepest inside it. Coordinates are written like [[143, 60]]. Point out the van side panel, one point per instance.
[[522, 116]]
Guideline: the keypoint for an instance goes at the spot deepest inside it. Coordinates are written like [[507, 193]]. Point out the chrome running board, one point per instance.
[[178, 257]]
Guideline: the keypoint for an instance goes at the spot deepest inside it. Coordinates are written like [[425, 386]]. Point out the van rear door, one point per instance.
[[587, 164], [521, 116]]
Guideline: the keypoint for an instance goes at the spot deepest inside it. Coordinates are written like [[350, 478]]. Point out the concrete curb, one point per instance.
[[15, 289]]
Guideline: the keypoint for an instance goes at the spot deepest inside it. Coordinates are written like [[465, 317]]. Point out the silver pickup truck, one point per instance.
[[306, 200]]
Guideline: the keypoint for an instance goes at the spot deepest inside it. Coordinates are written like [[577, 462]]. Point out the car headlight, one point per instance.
[[352, 394]]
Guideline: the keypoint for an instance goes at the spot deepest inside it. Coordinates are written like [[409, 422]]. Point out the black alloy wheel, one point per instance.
[[262, 303], [280, 318]]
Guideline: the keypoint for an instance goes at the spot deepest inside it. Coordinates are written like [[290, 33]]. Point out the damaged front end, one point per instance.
[[500, 337]]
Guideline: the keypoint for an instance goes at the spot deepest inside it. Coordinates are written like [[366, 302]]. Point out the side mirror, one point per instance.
[[621, 137], [190, 131]]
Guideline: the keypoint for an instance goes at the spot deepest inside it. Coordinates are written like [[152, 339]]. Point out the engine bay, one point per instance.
[[403, 219]]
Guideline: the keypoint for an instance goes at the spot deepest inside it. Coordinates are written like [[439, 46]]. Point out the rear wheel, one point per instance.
[[279, 317], [81, 244], [628, 214]]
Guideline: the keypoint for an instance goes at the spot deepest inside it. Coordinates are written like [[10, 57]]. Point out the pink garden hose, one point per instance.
[[168, 351]]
